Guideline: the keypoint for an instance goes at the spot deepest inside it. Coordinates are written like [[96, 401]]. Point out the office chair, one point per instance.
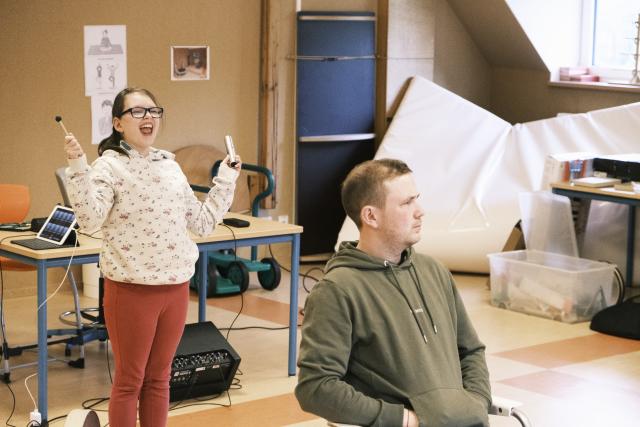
[[15, 201], [90, 320]]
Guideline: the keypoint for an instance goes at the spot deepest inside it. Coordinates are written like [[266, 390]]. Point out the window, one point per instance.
[[609, 32]]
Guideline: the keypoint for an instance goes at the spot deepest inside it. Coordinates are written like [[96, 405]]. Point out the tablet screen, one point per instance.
[[58, 226]]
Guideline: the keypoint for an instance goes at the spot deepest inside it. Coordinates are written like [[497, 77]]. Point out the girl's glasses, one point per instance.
[[140, 112]]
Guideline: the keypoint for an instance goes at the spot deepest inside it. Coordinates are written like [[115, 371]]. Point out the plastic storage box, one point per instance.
[[551, 285]]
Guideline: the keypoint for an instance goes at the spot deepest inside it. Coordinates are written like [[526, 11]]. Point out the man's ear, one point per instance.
[[369, 215], [117, 125]]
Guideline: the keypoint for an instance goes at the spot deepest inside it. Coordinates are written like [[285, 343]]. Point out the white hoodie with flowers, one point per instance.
[[145, 209]]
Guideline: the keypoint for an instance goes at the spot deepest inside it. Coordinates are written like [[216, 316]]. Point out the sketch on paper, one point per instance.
[[101, 119], [105, 59]]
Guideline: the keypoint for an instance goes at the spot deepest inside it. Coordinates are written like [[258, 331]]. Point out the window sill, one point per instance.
[[605, 86]]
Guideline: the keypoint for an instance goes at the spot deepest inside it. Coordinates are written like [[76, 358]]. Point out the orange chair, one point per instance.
[[15, 202]]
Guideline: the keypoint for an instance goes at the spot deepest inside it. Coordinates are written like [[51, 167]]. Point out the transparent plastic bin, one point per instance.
[[550, 285]]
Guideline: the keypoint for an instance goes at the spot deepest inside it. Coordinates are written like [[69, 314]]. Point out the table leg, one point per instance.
[[631, 232], [202, 286], [293, 304], [42, 340]]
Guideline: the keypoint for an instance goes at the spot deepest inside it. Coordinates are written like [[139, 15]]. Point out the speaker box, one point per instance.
[[204, 364]]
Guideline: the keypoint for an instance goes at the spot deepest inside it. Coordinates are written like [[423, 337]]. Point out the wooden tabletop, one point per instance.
[[90, 246], [605, 191]]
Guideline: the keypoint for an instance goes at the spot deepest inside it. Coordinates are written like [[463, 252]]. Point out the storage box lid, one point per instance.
[[547, 223]]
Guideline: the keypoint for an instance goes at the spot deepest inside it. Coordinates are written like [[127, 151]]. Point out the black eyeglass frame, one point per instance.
[[156, 114]]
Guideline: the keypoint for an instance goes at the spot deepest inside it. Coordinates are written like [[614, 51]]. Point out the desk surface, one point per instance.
[[604, 191], [260, 229], [90, 245]]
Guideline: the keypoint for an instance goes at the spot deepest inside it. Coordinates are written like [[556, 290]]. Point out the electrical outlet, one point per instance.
[[283, 219]]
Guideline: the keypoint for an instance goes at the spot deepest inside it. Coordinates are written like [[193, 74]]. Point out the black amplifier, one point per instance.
[[204, 364]]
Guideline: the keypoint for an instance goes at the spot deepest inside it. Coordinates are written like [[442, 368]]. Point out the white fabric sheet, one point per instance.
[[470, 165]]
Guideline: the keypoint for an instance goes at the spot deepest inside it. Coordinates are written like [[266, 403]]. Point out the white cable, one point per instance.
[[35, 405], [63, 278]]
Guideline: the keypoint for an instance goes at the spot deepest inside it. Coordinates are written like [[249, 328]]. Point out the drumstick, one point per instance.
[[59, 120]]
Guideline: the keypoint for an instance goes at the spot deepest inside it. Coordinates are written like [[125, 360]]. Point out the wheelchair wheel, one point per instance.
[[212, 282], [212, 279], [239, 275], [269, 279], [222, 269]]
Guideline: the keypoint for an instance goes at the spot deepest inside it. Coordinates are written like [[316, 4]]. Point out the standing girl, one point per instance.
[[141, 200]]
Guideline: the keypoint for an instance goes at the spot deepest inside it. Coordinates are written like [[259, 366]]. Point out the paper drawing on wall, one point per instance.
[[101, 119], [105, 60], [104, 123], [189, 62], [105, 47]]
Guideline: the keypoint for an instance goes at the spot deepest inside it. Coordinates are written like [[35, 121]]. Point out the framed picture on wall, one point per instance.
[[189, 62]]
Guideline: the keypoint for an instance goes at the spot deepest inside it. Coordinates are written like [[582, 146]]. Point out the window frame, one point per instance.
[[587, 47]]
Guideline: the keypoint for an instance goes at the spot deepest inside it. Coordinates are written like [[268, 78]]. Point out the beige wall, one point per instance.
[[42, 55], [459, 65], [426, 38], [525, 95], [410, 46]]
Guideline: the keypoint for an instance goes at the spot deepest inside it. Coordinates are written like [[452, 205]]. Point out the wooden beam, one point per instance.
[[268, 111]]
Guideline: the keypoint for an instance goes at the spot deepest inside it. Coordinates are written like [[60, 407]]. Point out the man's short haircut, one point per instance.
[[364, 185]]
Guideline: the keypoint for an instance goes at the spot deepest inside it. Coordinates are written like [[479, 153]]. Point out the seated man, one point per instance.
[[386, 340]]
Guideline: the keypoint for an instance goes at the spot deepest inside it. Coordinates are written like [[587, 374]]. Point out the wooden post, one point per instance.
[[268, 111]]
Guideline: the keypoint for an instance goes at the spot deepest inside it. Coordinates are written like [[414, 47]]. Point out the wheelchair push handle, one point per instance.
[[255, 205]]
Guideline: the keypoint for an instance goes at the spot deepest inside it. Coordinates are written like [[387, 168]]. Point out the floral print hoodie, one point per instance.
[[145, 209]]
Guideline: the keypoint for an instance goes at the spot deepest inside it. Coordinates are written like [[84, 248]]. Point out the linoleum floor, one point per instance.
[[564, 374]]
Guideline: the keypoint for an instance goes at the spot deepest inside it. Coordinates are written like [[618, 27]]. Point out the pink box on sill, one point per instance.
[[566, 73], [585, 78]]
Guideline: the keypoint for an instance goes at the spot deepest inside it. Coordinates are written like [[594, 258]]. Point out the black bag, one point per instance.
[[621, 320]]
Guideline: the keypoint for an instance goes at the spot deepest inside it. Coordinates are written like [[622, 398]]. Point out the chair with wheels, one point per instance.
[[89, 320], [15, 201]]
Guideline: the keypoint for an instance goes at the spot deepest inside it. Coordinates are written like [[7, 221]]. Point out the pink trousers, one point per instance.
[[145, 324]]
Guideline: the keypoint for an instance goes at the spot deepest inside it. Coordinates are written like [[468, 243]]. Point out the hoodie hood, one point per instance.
[[349, 255]]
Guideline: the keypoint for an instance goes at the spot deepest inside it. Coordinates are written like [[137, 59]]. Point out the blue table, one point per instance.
[[608, 194], [260, 232]]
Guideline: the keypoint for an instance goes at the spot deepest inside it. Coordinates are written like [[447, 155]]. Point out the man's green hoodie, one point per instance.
[[379, 337]]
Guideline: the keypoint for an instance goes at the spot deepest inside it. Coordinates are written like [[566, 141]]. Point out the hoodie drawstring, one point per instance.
[[416, 282]]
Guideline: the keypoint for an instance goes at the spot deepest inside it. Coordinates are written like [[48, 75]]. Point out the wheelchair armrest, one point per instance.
[[508, 408], [502, 407]]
